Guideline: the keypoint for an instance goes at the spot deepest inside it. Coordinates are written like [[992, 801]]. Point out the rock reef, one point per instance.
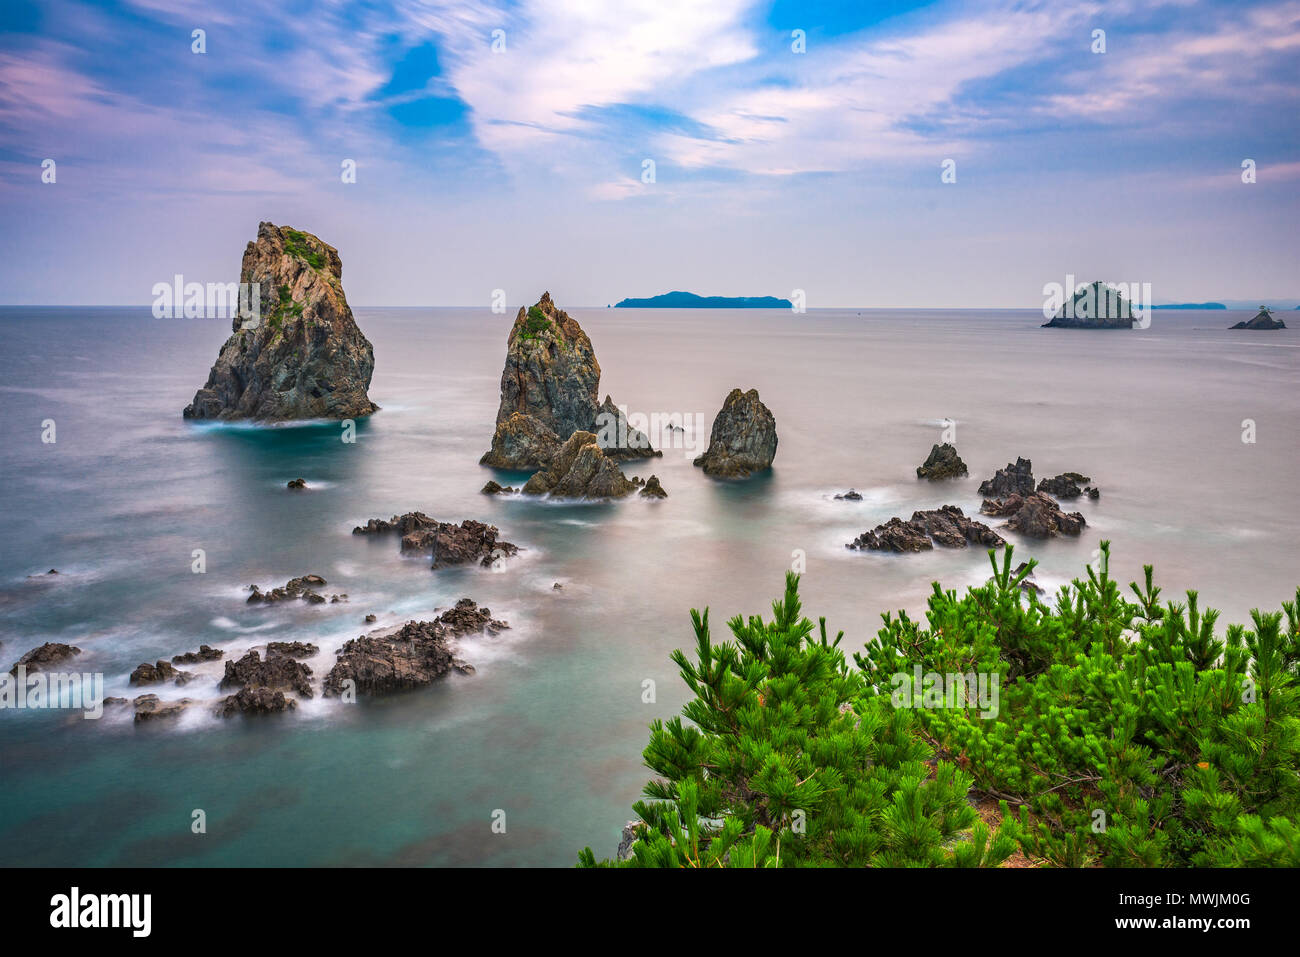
[[1036, 515], [1263, 320], [947, 526], [1016, 478], [1094, 306], [581, 469], [447, 544], [50, 653], [303, 356], [743, 438]]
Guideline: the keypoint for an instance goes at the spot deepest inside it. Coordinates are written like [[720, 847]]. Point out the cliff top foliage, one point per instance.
[[1109, 729], [535, 324], [298, 244]]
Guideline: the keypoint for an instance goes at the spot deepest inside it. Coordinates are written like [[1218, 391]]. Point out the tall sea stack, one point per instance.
[[549, 392], [303, 357]]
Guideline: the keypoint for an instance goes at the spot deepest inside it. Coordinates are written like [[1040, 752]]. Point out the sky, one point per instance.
[[794, 146]]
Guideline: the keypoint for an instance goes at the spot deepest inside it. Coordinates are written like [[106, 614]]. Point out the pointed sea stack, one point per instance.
[[1094, 306], [1263, 320], [303, 356], [549, 392]]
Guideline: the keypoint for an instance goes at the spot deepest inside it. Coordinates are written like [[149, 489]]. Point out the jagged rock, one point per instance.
[[305, 358], [254, 701], [548, 387], [276, 672], [1094, 306], [149, 707], [448, 544], [557, 587], [617, 438], [52, 571], [50, 653], [1263, 320], [852, 495], [303, 587], [653, 489], [946, 526], [743, 439], [370, 619], [115, 701], [291, 649], [1036, 515], [580, 469], [147, 674], [1016, 478], [492, 488], [632, 831], [298, 483], [1065, 485], [549, 391], [204, 653], [943, 462], [414, 656]]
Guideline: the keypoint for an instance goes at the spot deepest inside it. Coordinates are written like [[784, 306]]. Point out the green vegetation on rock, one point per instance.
[[1121, 732], [297, 244], [535, 324]]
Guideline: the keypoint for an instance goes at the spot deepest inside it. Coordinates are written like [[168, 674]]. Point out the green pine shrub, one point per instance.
[[1121, 733]]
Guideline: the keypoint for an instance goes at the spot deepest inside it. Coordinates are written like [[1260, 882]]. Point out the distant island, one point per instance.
[[1192, 305], [688, 300]]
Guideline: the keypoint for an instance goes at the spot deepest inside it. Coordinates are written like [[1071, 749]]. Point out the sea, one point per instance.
[[157, 527]]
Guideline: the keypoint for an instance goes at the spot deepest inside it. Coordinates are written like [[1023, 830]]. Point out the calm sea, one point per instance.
[[547, 735]]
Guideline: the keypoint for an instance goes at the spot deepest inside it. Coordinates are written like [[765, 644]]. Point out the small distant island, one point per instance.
[[689, 300], [1192, 305]]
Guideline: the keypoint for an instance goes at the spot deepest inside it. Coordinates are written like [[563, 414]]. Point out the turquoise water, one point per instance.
[[549, 730]]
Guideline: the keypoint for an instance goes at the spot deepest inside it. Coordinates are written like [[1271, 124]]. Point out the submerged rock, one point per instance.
[[852, 495], [291, 649], [414, 656], [947, 526], [1016, 478], [305, 357], [743, 439], [549, 391], [1263, 320], [147, 674], [149, 707], [943, 462], [1066, 485], [448, 544], [301, 588], [298, 483], [492, 488], [205, 653], [254, 701], [50, 653], [580, 469], [276, 672], [1036, 515]]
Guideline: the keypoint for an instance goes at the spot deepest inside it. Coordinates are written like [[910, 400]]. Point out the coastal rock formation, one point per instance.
[[254, 701], [147, 674], [414, 656], [549, 391], [149, 707], [1094, 306], [1016, 478], [1263, 320], [291, 649], [494, 488], [652, 488], [943, 462], [946, 526], [852, 495], [1036, 515], [298, 483], [301, 588], [580, 469], [743, 439], [1067, 485], [448, 544], [205, 653], [277, 672], [303, 357], [50, 653]]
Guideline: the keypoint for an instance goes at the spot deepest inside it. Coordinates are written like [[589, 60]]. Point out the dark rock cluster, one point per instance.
[[947, 526]]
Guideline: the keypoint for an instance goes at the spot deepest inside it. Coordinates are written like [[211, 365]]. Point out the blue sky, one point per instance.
[[775, 170]]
